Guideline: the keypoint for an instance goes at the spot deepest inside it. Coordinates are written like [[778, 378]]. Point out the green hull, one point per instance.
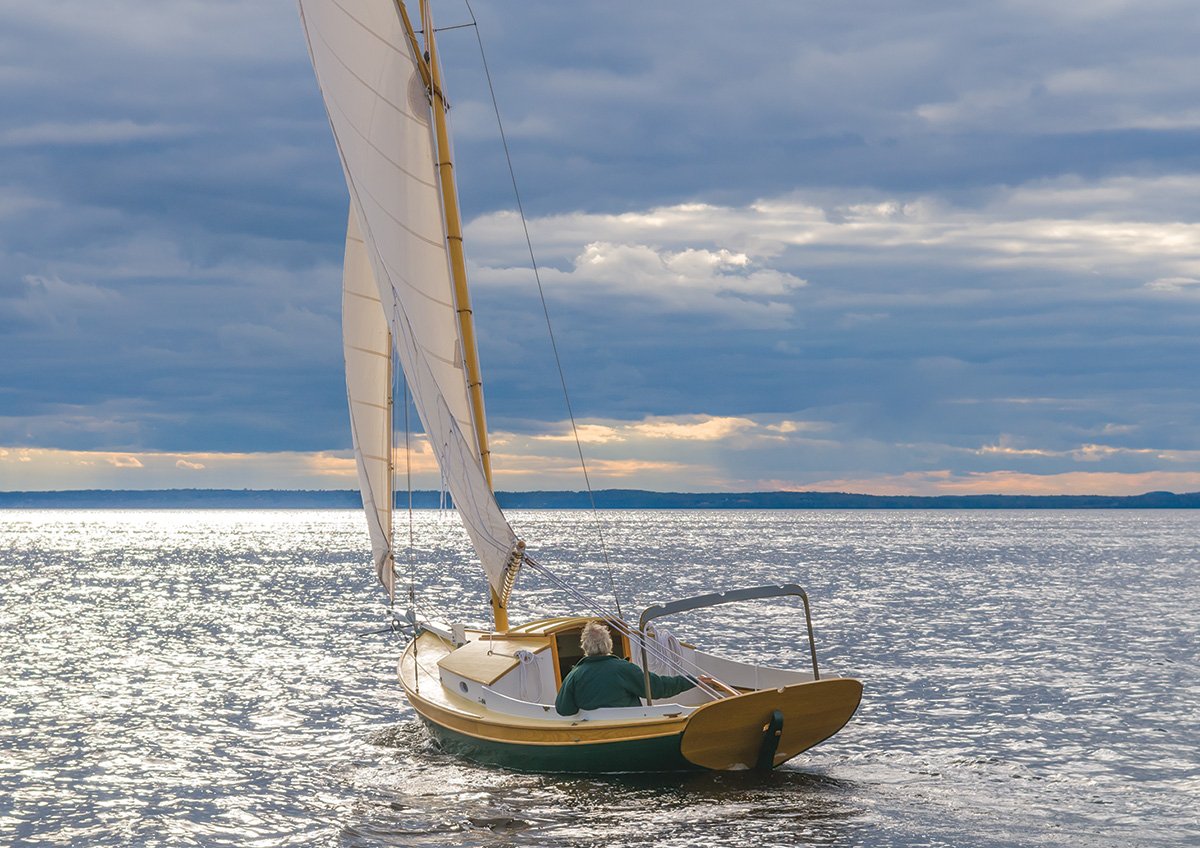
[[639, 755]]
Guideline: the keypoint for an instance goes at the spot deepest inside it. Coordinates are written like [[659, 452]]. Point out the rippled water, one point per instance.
[[200, 678]]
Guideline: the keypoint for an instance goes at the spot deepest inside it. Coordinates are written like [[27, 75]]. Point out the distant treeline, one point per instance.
[[604, 499]]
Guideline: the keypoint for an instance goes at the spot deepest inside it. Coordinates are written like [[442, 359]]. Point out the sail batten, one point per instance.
[[379, 110]]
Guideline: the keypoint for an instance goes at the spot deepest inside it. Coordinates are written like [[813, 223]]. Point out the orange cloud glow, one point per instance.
[[1009, 483]]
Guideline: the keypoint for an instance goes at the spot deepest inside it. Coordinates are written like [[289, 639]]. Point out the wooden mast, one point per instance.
[[431, 72]]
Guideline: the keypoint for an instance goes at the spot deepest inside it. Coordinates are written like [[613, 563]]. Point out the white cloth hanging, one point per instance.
[[525, 659]]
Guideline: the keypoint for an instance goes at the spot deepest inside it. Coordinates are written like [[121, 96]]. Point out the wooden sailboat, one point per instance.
[[489, 694]]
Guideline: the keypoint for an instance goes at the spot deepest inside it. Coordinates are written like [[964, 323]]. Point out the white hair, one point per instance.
[[595, 640]]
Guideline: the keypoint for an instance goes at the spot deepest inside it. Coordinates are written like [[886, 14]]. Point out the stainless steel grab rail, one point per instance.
[[732, 596]]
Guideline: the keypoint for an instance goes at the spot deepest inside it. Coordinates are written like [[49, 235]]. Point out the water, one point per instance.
[[199, 679]]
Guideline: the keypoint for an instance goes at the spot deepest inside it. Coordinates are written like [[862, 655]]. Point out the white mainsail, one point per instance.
[[379, 110]]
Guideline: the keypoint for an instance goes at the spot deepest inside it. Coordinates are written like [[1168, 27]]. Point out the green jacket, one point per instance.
[[609, 681]]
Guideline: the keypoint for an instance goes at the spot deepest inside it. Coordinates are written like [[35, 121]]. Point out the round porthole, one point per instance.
[[463, 687]]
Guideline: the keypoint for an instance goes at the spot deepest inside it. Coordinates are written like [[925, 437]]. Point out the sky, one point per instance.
[[879, 246]]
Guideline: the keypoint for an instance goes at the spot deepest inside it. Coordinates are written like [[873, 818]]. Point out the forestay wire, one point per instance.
[[545, 309]]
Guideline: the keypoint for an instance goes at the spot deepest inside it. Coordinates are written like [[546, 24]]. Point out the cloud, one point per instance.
[[1089, 453], [122, 460], [945, 482], [707, 253], [704, 428], [533, 472], [687, 279], [15, 205], [172, 29], [689, 453], [1135, 93], [655, 452], [49, 302], [1175, 285], [788, 427], [40, 469], [587, 434], [89, 132], [726, 263]]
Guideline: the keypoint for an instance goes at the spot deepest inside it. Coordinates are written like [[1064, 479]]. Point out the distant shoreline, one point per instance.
[[604, 499]]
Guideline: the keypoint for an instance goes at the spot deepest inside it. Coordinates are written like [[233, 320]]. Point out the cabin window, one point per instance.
[[568, 651]]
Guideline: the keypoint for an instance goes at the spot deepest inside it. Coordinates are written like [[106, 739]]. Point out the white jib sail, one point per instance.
[[367, 348], [380, 115]]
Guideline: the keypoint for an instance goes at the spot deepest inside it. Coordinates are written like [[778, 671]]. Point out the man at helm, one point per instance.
[[603, 680]]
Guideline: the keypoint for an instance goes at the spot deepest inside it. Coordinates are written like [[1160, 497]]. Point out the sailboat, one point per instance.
[[488, 693]]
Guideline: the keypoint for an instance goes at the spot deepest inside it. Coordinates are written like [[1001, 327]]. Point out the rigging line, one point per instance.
[[389, 420], [412, 563], [546, 310], [412, 566], [446, 28]]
